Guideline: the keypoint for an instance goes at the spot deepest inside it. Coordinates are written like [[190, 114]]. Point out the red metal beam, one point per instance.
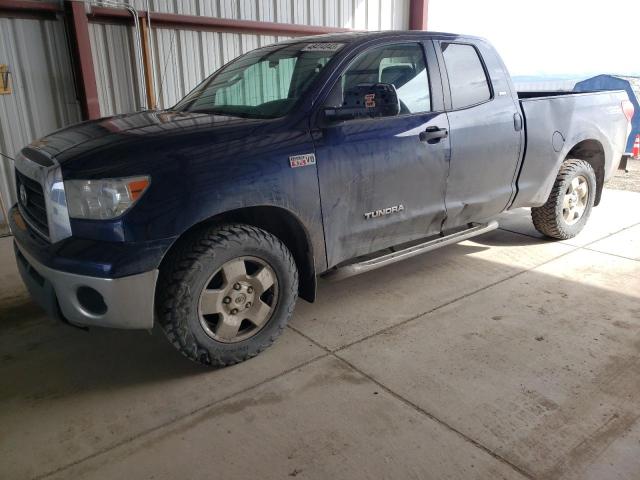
[[29, 9], [192, 22], [78, 27], [418, 14]]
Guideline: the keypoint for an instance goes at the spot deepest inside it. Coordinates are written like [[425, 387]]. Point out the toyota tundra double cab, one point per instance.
[[329, 155]]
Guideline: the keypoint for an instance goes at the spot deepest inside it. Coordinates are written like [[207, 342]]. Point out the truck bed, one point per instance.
[[533, 94], [558, 124], [542, 94]]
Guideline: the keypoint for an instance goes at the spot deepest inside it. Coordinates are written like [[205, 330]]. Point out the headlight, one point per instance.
[[103, 199]]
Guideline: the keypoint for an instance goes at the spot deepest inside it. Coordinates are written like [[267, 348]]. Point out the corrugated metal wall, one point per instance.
[[183, 58], [114, 61], [43, 97]]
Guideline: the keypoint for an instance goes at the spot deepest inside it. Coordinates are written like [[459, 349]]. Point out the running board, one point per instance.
[[371, 264]]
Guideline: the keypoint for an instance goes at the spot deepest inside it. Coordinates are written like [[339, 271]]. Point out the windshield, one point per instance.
[[265, 83]]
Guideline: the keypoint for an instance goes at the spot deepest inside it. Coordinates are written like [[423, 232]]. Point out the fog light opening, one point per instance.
[[91, 300]]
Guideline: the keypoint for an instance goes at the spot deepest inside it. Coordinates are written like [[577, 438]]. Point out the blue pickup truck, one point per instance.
[[329, 155]]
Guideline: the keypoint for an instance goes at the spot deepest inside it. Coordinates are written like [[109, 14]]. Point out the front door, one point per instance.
[[382, 183]]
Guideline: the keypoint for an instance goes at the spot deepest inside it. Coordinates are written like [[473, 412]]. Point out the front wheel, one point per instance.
[[226, 294], [570, 202]]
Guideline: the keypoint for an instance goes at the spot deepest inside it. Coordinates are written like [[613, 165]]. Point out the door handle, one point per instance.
[[517, 122], [433, 134]]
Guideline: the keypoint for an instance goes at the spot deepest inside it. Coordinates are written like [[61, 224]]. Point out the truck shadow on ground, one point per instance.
[[512, 239], [59, 360], [100, 359]]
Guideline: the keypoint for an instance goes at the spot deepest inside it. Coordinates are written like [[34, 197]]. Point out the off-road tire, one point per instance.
[[548, 219], [188, 269]]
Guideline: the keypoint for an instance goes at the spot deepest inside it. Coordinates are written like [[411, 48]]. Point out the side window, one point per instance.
[[402, 65], [467, 79]]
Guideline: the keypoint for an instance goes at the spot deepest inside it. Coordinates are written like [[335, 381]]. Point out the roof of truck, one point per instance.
[[349, 37]]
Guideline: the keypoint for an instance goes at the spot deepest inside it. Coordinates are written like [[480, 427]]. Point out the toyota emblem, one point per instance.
[[23, 195]]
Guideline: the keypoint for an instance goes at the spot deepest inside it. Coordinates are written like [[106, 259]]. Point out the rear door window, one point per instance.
[[467, 78]]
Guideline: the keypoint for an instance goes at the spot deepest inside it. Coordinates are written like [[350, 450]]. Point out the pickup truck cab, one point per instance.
[[328, 155]]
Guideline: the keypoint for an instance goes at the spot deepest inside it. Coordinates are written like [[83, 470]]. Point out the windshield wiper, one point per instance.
[[212, 111], [227, 113]]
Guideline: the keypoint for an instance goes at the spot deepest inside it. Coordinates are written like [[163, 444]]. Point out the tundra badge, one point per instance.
[[384, 211], [302, 160]]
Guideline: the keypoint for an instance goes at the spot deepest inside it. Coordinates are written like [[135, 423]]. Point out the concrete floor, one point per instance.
[[509, 356]]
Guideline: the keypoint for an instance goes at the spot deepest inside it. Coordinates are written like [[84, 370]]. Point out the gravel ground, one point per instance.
[[627, 181]]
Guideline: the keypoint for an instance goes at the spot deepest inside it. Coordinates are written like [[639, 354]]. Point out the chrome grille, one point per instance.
[[34, 208]]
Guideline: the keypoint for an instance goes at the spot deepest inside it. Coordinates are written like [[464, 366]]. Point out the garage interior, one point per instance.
[[505, 356]]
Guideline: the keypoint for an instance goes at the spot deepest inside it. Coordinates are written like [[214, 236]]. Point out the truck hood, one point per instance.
[[116, 132]]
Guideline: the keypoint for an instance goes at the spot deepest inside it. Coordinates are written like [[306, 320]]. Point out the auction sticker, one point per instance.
[[323, 47], [370, 100]]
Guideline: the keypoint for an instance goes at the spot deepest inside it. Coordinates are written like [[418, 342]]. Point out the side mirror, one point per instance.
[[366, 100]]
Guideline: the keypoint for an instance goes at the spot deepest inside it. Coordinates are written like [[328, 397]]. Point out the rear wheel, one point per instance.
[[570, 202], [226, 294]]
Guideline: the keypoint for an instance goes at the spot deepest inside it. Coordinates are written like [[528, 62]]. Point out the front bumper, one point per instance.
[[125, 302], [90, 283]]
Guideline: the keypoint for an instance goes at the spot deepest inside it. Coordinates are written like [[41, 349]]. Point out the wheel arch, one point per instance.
[[592, 152], [278, 221]]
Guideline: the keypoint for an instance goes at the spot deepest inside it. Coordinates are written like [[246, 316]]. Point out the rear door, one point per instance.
[[485, 129], [380, 185]]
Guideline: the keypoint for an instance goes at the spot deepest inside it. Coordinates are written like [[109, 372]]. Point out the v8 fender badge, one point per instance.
[[296, 161], [384, 211]]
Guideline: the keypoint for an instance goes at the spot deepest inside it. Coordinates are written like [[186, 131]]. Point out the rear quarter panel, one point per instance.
[[575, 117]]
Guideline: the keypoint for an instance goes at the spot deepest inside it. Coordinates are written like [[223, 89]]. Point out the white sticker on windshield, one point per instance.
[[323, 47]]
